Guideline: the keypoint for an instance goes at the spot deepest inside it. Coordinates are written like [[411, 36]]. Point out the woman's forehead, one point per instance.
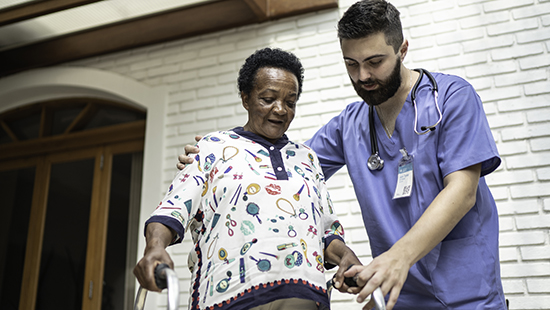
[[269, 77]]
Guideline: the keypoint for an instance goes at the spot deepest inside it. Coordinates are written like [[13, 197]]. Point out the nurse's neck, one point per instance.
[[389, 110]]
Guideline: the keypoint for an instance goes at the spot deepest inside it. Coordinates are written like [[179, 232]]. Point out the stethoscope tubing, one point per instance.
[[375, 162], [425, 129]]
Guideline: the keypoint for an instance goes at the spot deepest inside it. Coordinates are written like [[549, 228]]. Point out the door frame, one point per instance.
[[58, 82], [99, 210]]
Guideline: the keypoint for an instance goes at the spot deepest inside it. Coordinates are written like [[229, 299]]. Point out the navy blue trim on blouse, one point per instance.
[[168, 222], [274, 150]]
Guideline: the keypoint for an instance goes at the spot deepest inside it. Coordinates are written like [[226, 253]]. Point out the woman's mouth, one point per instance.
[[275, 121]]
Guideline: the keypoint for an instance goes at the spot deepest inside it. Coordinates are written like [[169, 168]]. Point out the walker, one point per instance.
[[164, 278]]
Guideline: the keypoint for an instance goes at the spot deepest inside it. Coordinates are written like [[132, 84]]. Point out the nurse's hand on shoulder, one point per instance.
[[184, 159], [387, 271]]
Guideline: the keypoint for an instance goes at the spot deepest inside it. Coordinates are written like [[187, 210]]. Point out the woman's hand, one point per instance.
[[184, 159], [340, 254], [158, 238], [145, 268]]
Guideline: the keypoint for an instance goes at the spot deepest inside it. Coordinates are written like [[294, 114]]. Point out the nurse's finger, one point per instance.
[[191, 149], [369, 305], [372, 284], [394, 295]]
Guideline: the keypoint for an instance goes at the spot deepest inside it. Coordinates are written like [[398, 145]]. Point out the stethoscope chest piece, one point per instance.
[[375, 162]]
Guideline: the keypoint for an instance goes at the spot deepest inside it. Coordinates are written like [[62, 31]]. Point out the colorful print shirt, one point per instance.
[[260, 217]]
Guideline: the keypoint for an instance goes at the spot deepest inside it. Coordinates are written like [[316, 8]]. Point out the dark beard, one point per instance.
[[386, 89]]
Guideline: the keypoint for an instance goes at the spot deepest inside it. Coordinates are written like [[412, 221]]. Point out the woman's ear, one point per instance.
[[244, 99]]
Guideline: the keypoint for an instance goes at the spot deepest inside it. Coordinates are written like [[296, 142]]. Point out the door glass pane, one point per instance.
[[65, 236], [108, 116], [4, 138], [16, 190], [27, 127], [115, 284], [62, 118]]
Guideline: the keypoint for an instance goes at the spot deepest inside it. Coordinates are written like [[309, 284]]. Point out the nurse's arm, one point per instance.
[[389, 270]]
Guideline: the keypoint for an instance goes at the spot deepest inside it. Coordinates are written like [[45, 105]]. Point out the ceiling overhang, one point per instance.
[[38, 8], [161, 27]]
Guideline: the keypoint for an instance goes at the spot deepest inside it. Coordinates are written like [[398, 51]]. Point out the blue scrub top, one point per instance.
[[463, 271]]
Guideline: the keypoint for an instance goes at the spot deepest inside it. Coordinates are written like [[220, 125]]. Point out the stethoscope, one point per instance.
[[375, 162]]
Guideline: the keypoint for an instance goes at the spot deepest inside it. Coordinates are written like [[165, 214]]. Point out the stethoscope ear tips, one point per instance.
[[424, 128]]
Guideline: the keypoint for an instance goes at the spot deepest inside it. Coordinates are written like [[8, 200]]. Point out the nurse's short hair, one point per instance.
[[368, 17], [272, 58]]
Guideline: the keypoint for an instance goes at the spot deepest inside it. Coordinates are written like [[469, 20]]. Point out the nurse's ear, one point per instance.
[[404, 49]]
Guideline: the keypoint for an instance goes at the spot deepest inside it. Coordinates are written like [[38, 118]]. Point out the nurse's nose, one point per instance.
[[364, 74]]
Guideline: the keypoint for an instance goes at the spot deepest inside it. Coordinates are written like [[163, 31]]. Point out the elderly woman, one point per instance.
[[255, 204]]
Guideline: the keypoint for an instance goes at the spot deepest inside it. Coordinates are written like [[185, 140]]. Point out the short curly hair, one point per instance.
[[368, 17], [268, 57]]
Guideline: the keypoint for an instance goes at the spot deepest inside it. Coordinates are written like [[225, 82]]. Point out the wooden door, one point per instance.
[[68, 234], [63, 266]]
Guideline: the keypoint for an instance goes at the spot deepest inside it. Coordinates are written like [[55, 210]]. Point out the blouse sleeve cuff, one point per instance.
[[169, 222], [328, 240]]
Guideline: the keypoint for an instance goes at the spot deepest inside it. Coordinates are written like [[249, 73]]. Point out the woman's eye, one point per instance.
[[291, 104], [268, 100]]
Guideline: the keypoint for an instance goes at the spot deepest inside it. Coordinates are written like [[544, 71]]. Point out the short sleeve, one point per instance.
[[328, 144], [182, 203], [332, 229], [465, 138]]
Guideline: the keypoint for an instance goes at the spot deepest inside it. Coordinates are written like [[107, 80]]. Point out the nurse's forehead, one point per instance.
[[365, 48]]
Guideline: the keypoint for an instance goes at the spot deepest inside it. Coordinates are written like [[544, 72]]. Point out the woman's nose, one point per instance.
[[279, 107]]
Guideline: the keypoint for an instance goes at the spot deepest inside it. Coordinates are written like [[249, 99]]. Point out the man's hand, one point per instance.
[[387, 271], [184, 159], [390, 269]]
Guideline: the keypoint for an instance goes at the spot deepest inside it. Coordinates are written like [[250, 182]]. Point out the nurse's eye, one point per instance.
[[351, 64], [375, 63]]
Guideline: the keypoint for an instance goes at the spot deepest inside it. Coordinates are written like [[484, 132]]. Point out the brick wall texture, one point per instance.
[[502, 47]]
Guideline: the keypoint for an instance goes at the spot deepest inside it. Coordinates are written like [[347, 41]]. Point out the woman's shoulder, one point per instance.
[[300, 147], [219, 137]]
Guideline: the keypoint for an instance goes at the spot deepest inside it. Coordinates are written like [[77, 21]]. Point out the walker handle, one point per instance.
[[167, 278], [377, 295], [164, 278], [160, 275]]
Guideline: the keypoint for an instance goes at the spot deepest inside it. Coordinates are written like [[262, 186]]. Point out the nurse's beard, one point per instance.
[[386, 89]]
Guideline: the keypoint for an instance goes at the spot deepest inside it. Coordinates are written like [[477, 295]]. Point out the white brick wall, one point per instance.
[[500, 46]]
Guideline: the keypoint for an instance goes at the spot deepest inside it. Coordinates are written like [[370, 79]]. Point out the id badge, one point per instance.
[[404, 176]]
